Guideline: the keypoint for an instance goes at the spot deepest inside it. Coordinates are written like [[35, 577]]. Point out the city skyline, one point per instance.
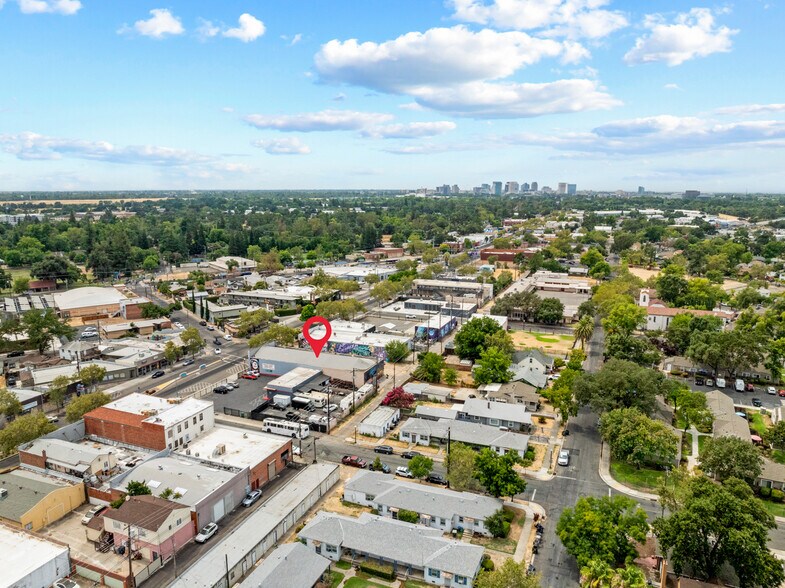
[[201, 95]]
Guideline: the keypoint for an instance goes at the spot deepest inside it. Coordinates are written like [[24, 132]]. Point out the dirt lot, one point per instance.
[[644, 274], [552, 344]]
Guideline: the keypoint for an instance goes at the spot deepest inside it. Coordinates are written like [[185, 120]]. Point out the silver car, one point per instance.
[[208, 531], [564, 458]]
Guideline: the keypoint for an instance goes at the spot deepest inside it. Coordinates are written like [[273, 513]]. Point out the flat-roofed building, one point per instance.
[[445, 288], [30, 561], [352, 342], [93, 302], [380, 421], [150, 421], [425, 431]]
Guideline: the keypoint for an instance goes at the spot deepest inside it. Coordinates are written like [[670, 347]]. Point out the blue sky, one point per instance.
[[110, 94]]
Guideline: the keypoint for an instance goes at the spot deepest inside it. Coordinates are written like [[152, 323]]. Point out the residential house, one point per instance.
[[531, 366], [727, 423], [513, 393], [411, 549], [380, 421], [438, 508], [495, 414], [425, 391], [159, 527], [289, 565], [73, 459], [424, 432], [772, 475]]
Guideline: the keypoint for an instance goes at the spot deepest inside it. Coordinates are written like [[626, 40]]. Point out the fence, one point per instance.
[[201, 389]]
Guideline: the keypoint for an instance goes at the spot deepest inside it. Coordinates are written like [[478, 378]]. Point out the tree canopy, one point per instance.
[[731, 457], [620, 384], [81, 405], [471, 339], [635, 438], [496, 473]]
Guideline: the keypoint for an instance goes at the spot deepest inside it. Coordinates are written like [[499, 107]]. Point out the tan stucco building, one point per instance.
[[31, 501]]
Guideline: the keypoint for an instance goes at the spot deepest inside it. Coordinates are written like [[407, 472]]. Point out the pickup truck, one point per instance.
[[354, 461]]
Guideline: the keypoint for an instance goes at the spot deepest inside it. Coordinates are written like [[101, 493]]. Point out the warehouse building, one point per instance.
[[380, 422], [30, 561]]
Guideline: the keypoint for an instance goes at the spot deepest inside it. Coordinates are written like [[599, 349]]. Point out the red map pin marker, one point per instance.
[[317, 344]]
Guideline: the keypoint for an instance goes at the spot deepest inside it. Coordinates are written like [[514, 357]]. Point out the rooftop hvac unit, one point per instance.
[[3, 493], [220, 449]]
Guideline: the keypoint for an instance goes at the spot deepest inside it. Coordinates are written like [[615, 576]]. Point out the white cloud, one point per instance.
[[326, 120], [411, 106], [207, 29], [33, 146], [66, 7], [511, 100], [283, 146], [749, 109], [455, 70], [250, 28], [228, 109], [568, 18], [672, 87], [409, 130], [661, 134], [692, 34], [160, 24], [296, 39]]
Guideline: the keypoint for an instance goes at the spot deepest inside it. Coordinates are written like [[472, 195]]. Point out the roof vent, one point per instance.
[[3, 493]]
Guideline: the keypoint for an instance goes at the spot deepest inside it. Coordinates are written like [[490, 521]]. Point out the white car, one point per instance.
[[217, 351], [404, 472], [92, 513], [228, 337], [564, 458], [332, 408], [771, 390], [52, 418], [179, 325], [208, 531], [66, 583]]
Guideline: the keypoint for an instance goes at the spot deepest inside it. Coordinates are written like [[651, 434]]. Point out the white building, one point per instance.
[[380, 421], [29, 561], [243, 264], [659, 316]]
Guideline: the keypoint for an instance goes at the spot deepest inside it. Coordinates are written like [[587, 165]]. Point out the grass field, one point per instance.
[[343, 565], [686, 444], [335, 579], [503, 544], [362, 583], [550, 343], [639, 479], [702, 442], [775, 508], [757, 423]]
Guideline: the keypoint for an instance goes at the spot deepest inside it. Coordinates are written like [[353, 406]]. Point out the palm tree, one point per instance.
[[629, 577], [597, 574], [583, 330]]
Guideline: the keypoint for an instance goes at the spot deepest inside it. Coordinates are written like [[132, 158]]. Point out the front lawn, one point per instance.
[[757, 424], [643, 479], [775, 508], [357, 582], [335, 579], [702, 442], [343, 565], [503, 544], [686, 444]]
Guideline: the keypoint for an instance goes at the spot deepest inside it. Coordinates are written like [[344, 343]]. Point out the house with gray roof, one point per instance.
[[726, 422], [496, 414], [513, 393], [289, 565], [434, 413], [438, 508], [413, 550], [531, 366], [29, 500], [72, 459], [424, 432]]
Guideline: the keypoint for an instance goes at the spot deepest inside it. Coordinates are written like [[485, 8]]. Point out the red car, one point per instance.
[[250, 376], [781, 393], [354, 461]]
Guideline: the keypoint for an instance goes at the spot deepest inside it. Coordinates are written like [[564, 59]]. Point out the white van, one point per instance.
[[720, 382], [739, 385]]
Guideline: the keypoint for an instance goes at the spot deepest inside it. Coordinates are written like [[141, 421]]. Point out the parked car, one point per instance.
[[354, 461], [331, 407], [699, 381], [434, 478], [232, 385], [217, 351], [158, 374], [757, 402], [203, 323], [781, 393], [749, 388], [188, 362], [208, 531], [65, 583], [228, 337], [17, 353], [404, 472], [771, 390], [382, 468], [709, 382], [409, 454], [252, 497], [89, 334], [249, 376], [564, 458], [53, 418], [218, 342], [221, 390], [10, 381], [92, 513], [386, 449], [210, 328], [720, 382], [179, 325]]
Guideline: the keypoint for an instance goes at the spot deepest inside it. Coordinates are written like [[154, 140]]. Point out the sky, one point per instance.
[[330, 94]]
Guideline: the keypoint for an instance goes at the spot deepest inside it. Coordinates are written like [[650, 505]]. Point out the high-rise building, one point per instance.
[[641, 190], [535, 187], [562, 188], [455, 189], [572, 189], [486, 188], [525, 187], [497, 188], [444, 190], [511, 188]]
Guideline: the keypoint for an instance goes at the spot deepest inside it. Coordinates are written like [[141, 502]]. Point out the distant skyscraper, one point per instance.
[[486, 188], [511, 188], [444, 190], [497, 188], [572, 189], [535, 186], [641, 190], [455, 189], [525, 187], [562, 188]]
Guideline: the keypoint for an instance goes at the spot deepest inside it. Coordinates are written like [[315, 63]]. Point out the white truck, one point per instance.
[[720, 382], [739, 385]]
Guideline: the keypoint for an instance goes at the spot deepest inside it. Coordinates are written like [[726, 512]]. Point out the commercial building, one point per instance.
[[359, 273], [29, 399], [461, 308], [439, 508], [30, 561], [443, 289], [60, 456], [411, 549], [507, 255], [287, 297], [424, 431], [271, 360], [300, 379], [241, 264], [380, 422], [158, 527], [351, 342], [41, 378], [31, 500], [142, 327], [289, 565], [435, 328], [150, 421], [93, 303]]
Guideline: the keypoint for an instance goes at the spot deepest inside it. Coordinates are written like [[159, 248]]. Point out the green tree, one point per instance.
[[171, 352], [450, 376], [598, 574], [502, 341], [635, 438], [624, 318], [550, 311], [493, 366], [592, 257], [343, 309], [775, 435], [192, 340], [620, 384], [81, 405], [720, 524], [408, 516], [20, 285], [684, 325], [9, 404], [151, 263], [249, 322], [731, 457], [497, 473], [632, 348], [23, 429], [420, 466], [58, 390], [134, 488], [601, 271], [691, 408], [57, 268], [584, 329], [280, 334], [42, 326], [5, 280], [671, 284], [460, 467], [602, 529], [90, 375], [510, 574], [430, 367], [396, 351], [309, 310], [471, 339]]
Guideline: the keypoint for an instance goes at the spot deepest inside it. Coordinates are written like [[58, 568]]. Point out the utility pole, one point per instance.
[[130, 560], [354, 407], [448, 457], [314, 450], [174, 556]]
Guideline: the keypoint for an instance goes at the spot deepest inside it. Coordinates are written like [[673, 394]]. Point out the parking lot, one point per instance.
[[768, 401]]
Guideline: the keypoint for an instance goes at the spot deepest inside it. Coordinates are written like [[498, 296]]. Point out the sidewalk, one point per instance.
[[530, 508], [605, 474], [692, 460]]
